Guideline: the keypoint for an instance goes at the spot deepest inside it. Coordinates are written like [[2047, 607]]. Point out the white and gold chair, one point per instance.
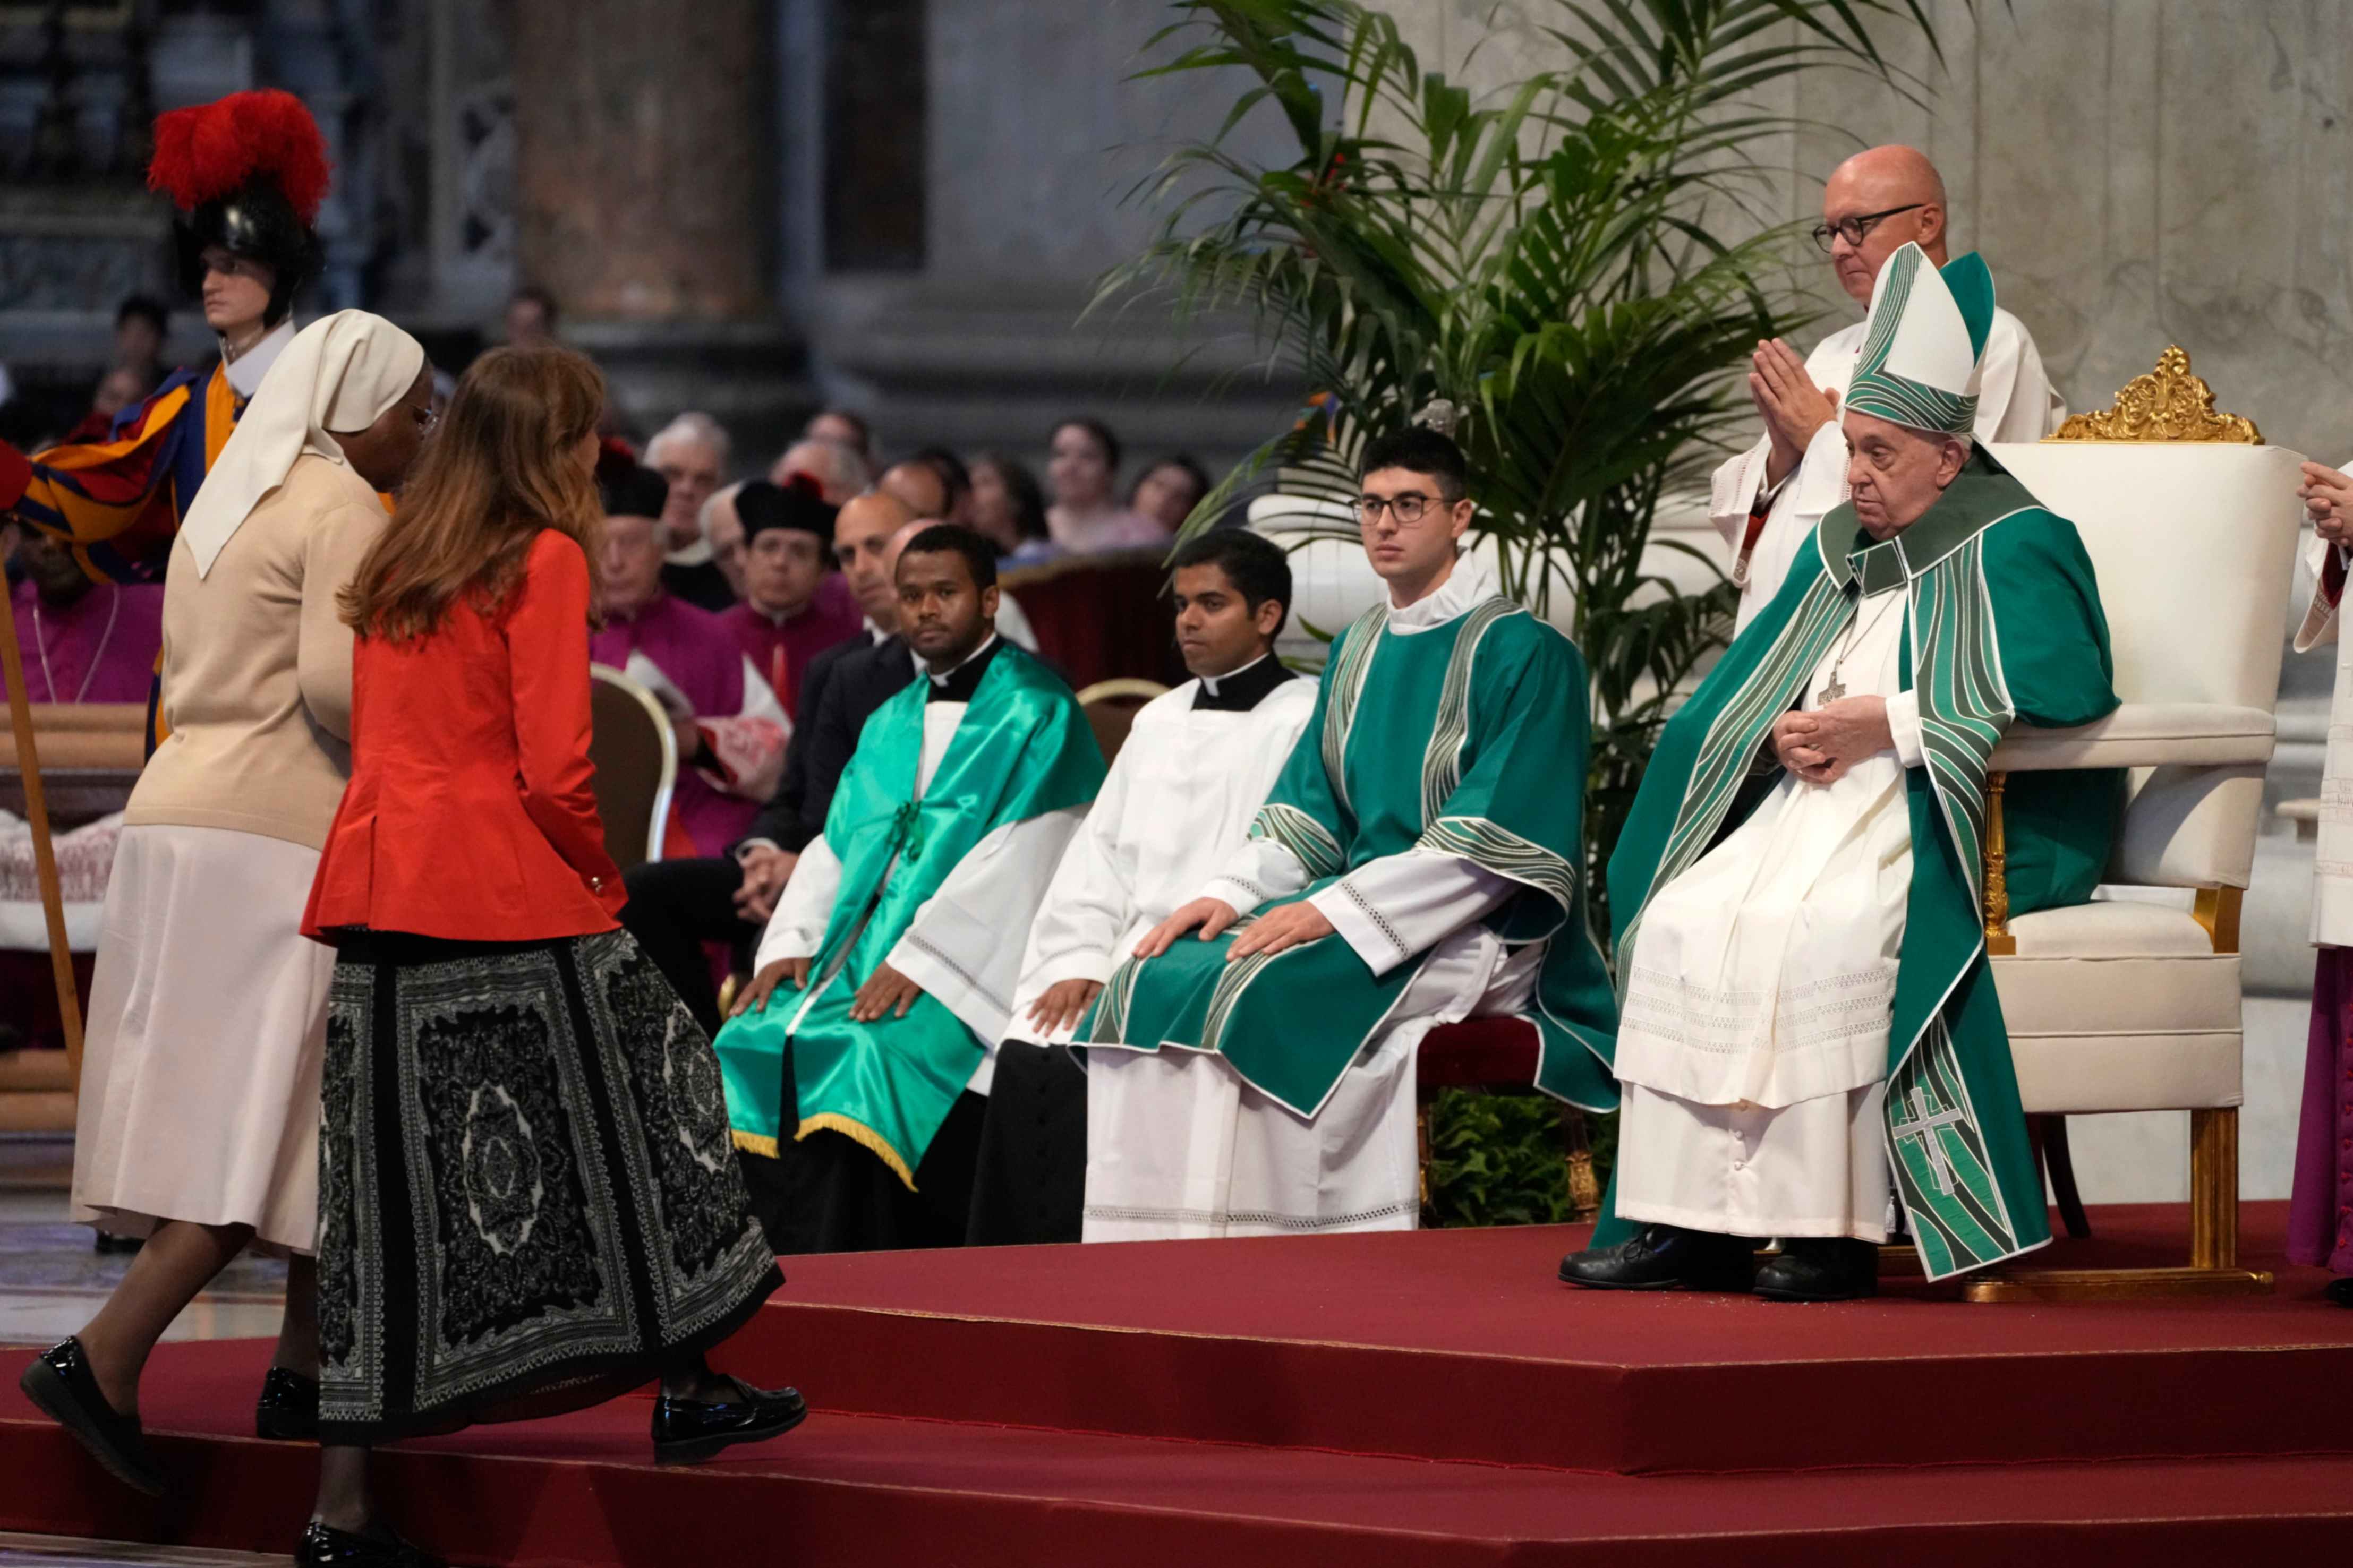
[[2132, 1003]]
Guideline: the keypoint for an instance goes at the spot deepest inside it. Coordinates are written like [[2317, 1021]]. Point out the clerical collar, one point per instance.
[[246, 371], [781, 618], [874, 633], [1980, 496], [1240, 690], [1470, 584], [612, 613], [958, 684]]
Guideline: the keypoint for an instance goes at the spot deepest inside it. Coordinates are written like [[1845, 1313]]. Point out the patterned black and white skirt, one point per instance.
[[528, 1197]]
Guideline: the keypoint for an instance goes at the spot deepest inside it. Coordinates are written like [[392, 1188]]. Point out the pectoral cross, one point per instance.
[[1924, 1125], [1833, 689]]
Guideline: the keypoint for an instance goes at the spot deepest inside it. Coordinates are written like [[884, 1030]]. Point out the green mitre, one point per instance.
[[1925, 338]]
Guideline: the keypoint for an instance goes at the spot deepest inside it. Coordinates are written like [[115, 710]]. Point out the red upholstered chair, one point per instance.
[[1498, 1055], [1099, 617]]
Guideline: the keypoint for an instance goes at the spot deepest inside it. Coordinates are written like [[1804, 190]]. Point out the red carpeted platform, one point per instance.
[[1410, 1399]]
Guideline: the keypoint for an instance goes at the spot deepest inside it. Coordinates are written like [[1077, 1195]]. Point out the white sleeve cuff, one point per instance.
[[1733, 491], [1240, 896], [1903, 725], [1361, 928]]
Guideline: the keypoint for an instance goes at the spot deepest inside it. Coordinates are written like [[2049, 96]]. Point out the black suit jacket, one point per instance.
[[841, 689]]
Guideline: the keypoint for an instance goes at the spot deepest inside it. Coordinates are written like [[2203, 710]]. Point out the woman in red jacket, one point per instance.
[[528, 1199]]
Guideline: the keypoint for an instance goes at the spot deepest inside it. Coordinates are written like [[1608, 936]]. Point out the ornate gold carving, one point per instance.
[[1999, 942], [2170, 403]]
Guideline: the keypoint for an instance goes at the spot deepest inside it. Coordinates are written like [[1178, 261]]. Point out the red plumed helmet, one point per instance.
[[213, 150]]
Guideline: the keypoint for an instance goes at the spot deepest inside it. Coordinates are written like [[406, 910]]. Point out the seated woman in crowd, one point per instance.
[[1010, 511], [1086, 518], [1167, 491]]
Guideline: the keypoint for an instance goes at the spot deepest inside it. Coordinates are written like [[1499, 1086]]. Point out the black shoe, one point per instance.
[[2340, 1291], [689, 1430], [323, 1546], [59, 1382], [1820, 1268], [1663, 1257], [288, 1410]]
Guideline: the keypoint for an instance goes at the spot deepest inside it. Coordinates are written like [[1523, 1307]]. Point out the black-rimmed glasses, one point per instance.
[[1407, 508], [1853, 229]]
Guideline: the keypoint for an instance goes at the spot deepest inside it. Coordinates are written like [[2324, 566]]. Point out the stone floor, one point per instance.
[[52, 1280]]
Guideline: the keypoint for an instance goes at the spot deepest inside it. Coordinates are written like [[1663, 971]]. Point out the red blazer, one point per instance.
[[470, 815]]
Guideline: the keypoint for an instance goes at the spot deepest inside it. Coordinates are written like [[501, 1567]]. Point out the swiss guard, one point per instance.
[[248, 174], [1810, 1045]]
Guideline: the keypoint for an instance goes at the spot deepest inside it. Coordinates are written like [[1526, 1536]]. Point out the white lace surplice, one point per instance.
[[1754, 1035]]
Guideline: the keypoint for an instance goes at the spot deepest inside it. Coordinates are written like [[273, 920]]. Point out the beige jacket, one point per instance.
[[258, 667]]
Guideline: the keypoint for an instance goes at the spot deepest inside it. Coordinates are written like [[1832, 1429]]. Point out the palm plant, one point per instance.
[[1578, 262]]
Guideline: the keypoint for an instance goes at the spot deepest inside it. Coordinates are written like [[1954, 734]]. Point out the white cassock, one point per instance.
[[964, 947], [1753, 1040], [1178, 1145], [2015, 402]]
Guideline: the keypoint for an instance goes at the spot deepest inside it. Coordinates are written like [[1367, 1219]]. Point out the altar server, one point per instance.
[[899, 938], [2320, 1212], [1767, 500], [1420, 861], [1195, 768], [1807, 1020]]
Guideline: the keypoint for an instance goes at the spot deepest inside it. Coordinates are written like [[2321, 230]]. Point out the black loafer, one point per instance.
[[288, 1410], [322, 1546], [1820, 1268], [2340, 1291], [60, 1383], [1663, 1257], [689, 1430]]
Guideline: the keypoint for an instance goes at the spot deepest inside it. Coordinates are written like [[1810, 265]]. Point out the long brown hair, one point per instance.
[[500, 467]]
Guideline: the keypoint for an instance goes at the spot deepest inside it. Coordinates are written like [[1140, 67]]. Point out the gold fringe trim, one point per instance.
[[862, 1135], [753, 1143]]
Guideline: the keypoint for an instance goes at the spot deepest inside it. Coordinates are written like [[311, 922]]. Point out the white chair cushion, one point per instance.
[[2120, 1005]]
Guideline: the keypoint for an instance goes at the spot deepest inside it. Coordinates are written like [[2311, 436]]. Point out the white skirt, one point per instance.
[[207, 1026]]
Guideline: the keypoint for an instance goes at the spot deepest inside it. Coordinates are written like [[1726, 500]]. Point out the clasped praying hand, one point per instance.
[[1820, 746]]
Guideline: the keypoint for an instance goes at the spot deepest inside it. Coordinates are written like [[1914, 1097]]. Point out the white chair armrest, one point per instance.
[[2144, 735]]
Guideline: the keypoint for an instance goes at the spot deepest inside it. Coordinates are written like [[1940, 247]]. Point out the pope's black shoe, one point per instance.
[[323, 1546], [1662, 1259], [288, 1410], [59, 1381], [1820, 1268], [2340, 1291], [689, 1430]]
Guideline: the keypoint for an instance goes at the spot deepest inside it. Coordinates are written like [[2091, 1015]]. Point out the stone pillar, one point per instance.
[[642, 155]]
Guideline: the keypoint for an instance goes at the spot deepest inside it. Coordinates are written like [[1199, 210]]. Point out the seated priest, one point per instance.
[[676, 905], [1177, 803], [731, 729], [1808, 1040], [1418, 861], [794, 605], [898, 940], [82, 641]]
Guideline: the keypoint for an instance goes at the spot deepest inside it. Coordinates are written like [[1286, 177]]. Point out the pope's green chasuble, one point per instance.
[[2002, 624], [1468, 738], [1022, 749]]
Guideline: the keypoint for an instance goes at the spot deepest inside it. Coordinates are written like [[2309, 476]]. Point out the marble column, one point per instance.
[[643, 148]]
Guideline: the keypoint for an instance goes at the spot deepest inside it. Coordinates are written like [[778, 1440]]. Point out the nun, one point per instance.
[[198, 1125]]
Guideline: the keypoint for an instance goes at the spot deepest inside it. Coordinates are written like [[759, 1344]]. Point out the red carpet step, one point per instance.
[[1431, 1399], [1463, 1345]]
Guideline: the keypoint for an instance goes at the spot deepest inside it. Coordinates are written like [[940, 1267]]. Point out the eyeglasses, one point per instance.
[[1408, 508], [1853, 229]]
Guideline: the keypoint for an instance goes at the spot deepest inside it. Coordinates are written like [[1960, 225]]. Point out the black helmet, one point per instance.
[[247, 174]]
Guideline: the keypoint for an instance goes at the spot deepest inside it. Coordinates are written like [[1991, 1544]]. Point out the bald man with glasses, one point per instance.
[[1767, 502]]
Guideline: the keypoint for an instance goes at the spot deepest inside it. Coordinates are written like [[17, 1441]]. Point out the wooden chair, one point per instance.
[[636, 753], [1111, 707], [2133, 1002]]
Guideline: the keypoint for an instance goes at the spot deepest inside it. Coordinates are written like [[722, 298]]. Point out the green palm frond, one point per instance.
[[1580, 259]]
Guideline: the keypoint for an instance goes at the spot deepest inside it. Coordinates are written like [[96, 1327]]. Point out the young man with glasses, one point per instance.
[[1767, 502], [1418, 861]]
